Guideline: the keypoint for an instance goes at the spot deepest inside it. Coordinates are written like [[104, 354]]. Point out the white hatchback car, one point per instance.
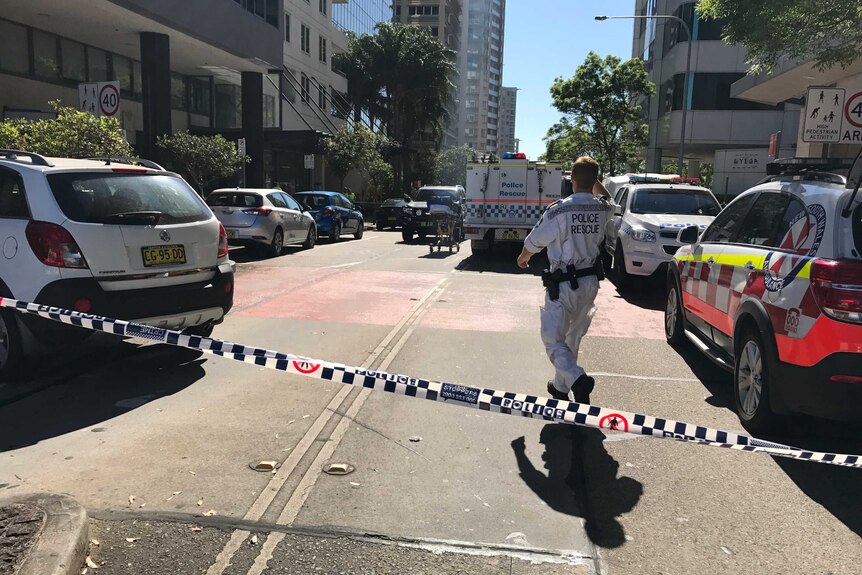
[[106, 237], [642, 236]]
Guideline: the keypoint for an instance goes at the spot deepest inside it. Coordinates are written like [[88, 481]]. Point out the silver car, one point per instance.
[[267, 218]]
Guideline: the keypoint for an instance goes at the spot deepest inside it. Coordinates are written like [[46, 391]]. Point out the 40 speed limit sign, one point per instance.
[[100, 98], [109, 98]]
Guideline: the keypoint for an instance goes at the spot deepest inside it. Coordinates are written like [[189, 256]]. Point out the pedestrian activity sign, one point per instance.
[[832, 115], [99, 98]]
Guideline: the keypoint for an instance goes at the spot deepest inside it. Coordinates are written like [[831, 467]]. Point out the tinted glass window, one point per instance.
[[394, 202], [13, 204], [45, 60], [291, 203], [857, 229], [761, 225], [624, 199], [14, 48], [792, 232], [661, 201], [234, 200], [429, 194], [344, 202], [314, 200], [729, 221], [276, 200], [110, 198]]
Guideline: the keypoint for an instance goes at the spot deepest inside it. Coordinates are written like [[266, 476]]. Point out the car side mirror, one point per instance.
[[618, 211], [688, 235]]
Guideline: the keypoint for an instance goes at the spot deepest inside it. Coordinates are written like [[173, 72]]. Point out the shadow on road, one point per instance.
[[502, 260], [581, 481], [646, 293], [118, 380]]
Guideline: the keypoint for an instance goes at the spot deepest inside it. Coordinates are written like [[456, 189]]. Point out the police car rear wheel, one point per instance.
[[11, 356], [673, 319], [751, 384]]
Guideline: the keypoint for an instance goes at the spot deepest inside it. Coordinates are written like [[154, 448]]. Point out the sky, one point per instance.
[[545, 39]]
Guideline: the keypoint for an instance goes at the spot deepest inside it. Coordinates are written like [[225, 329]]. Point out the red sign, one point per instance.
[[774, 143], [109, 100], [853, 110], [306, 367], [614, 422]]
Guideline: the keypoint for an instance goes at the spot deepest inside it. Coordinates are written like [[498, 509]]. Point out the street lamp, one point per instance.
[[687, 73]]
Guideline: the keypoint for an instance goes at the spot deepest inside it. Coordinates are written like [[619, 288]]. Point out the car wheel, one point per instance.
[[421, 236], [407, 234], [277, 245], [607, 259], [11, 354], [311, 238], [479, 247], [752, 379], [624, 279], [336, 232], [359, 230], [673, 318], [203, 330], [380, 227]]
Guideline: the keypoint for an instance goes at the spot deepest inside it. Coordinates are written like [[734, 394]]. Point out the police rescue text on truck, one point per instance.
[[505, 200]]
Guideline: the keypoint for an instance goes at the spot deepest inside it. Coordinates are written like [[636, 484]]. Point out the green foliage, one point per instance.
[[402, 75], [72, 134], [451, 165], [825, 31], [202, 159], [382, 179], [707, 171], [602, 104], [564, 143], [352, 147], [673, 168]]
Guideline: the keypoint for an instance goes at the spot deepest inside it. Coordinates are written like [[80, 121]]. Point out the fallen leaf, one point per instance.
[[196, 528], [210, 513], [291, 421], [84, 571], [192, 472], [354, 484], [142, 505], [415, 438], [254, 540], [91, 564], [288, 449], [306, 416], [131, 499], [131, 539], [176, 492], [95, 542], [200, 502]]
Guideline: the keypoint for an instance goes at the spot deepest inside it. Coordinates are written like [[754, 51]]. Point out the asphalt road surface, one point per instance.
[[157, 442]]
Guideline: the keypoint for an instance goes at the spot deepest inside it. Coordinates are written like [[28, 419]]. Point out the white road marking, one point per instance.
[[347, 265], [266, 551], [222, 560]]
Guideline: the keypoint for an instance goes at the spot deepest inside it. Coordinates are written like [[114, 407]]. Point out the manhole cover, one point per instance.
[[264, 466], [338, 468]]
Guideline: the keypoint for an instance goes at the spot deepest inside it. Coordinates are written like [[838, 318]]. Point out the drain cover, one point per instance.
[[338, 468]]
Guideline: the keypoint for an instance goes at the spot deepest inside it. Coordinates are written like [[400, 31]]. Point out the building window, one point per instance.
[[434, 31], [123, 72], [306, 89], [322, 7], [74, 59], [424, 10], [322, 48], [97, 64], [178, 92], [287, 27], [290, 86], [14, 49], [199, 96], [321, 97], [46, 64], [305, 39], [708, 91], [398, 11]]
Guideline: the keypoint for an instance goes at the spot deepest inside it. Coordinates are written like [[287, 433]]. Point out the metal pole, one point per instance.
[[681, 158]]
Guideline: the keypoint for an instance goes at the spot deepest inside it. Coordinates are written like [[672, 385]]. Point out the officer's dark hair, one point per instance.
[[585, 173]]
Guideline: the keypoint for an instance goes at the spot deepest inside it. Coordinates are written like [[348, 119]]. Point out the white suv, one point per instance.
[[642, 236], [106, 237]]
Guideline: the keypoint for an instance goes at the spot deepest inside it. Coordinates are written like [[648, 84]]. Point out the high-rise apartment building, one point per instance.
[[715, 120], [506, 120], [360, 16], [481, 65], [442, 19]]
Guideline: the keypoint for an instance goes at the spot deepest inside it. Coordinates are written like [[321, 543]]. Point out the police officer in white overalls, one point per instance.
[[571, 230]]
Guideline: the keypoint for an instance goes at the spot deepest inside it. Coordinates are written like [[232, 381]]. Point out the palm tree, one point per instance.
[[402, 75]]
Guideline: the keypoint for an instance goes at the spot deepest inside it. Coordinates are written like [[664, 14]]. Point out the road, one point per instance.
[[157, 442]]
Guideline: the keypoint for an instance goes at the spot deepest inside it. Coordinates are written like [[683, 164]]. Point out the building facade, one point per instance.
[[442, 19], [715, 119], [481, 71], [360, 16], [506, 129]]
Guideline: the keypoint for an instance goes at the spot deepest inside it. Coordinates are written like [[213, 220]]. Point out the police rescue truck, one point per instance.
[[505, 200]]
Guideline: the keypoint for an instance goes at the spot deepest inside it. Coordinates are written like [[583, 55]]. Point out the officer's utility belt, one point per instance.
[[552, 280]]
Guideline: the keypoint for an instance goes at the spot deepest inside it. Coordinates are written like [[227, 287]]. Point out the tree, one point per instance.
[[352, 147], [564, 143], [202, 159], [451, 165], [402, 75], [602, 103], [72, 134], [382, 179], [825, 31]]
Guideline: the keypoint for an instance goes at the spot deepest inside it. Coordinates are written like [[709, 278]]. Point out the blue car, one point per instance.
[[334, 214]]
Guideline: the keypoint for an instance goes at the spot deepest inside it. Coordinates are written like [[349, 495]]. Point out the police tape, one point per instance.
[[485, 399]]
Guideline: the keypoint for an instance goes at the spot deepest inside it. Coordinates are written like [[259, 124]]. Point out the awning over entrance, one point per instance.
[[789, 82]]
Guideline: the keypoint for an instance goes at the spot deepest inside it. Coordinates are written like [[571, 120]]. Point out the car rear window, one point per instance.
[[666, 201], [234, 200], [857, 228], [316, 200], [428, 194], [393, 202], [112, 198]]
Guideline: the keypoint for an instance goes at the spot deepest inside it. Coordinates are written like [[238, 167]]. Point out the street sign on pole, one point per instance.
[[240, 146], [100, 98], [823, 115], [851, 132], [309, 161]]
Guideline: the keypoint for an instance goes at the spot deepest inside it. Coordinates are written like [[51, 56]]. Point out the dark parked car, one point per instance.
[[390, 214], [415, 213], [334, 214]]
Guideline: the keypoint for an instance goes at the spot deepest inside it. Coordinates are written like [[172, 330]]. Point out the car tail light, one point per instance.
[[54, 245], [328, 212], [837, 286], [258, 211], [222, 241]]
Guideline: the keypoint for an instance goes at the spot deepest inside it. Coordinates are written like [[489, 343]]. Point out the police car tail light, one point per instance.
[[54, 245], [837, 286]]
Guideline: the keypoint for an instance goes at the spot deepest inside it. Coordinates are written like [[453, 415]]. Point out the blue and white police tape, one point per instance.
[[478, 398]]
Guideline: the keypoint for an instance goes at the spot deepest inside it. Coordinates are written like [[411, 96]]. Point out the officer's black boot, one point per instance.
[[556, 393], [583, 387]]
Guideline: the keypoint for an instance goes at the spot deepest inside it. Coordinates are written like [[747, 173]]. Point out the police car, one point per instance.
[[772, 291], [642, 236]]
